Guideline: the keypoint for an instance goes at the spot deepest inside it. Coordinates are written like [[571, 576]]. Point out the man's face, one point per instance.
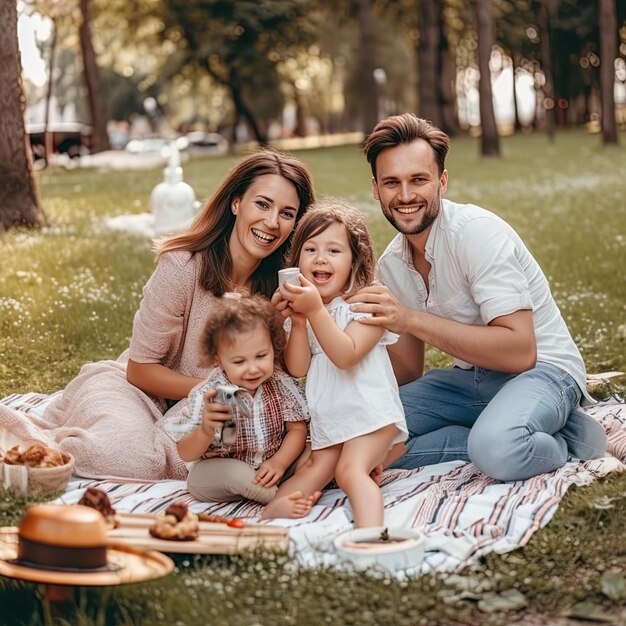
[[409, 187]]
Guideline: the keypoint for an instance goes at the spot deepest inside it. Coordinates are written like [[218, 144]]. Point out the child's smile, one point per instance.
[[326, 261], [247, 358]]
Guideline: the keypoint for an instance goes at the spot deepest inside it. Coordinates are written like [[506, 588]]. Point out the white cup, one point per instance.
[[289, 275]]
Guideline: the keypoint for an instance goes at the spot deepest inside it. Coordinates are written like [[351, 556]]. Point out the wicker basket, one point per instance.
[[23, 479], [51, 478]]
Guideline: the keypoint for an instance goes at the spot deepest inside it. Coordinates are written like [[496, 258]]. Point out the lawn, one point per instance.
[[69, 291]]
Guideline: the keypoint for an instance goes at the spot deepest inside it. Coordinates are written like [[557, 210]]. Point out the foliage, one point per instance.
[[218, 61]]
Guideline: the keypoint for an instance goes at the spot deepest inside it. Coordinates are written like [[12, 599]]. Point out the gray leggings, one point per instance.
[[226, 480]]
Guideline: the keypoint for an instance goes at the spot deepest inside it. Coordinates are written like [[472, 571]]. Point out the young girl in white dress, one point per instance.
[[355, 408]]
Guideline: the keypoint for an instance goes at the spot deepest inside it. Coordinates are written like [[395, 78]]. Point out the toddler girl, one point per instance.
[[243, 337], [356, 414]]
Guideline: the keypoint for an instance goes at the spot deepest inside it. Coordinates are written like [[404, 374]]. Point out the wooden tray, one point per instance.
[[214, 538]]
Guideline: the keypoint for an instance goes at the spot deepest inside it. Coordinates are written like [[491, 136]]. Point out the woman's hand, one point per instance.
[[304, 299], [213, 415], [269, 474], [281, 304]]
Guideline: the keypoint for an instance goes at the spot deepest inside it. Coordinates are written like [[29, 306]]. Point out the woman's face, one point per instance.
[[265, 216]]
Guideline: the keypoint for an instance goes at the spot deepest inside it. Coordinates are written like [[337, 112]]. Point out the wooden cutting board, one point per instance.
[[214, 538]]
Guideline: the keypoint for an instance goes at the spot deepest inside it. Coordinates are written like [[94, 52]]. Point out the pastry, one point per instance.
[[97, 499], [176, 524], [36, 455]]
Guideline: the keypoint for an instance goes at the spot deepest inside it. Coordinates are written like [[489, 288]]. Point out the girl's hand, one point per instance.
[[269, 473], [305, 299], [280, 303], [377, 474], [213, 415]]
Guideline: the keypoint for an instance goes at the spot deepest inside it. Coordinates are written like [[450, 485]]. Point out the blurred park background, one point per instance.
[[100, 74]]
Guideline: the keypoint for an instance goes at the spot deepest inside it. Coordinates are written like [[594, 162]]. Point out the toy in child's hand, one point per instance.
[[226, 394], [239, 403]]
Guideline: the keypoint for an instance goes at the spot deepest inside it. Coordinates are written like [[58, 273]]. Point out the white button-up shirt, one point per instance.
[[480, 270]]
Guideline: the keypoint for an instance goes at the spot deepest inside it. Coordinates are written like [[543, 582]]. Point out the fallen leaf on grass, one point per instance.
[[589, 611], [603, 502], [509, 600], [613, 586]]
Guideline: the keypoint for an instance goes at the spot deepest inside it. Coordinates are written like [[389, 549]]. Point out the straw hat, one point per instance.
[[68, 545]]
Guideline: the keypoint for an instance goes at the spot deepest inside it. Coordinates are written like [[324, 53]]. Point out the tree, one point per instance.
[[239, 44], [367, 82], [435, 68], [19, 204], [541, 15], [608, 53], [428, 56], [516, 34], [97, 105], [485, 31]]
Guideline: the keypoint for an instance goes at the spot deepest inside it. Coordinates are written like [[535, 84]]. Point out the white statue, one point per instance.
[[172, 201]]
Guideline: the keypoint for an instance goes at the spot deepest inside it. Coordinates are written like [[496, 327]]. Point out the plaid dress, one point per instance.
[[261, 427]]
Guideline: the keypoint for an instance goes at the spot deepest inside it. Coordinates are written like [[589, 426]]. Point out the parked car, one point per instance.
[[199, 143], [71, 138]]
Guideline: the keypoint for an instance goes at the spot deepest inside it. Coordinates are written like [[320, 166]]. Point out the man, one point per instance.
[[459, 278]]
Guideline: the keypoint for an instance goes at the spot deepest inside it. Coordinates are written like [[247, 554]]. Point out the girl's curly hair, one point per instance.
[[233, 314], [318, 218]]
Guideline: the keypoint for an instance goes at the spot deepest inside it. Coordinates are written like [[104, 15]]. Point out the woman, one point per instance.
[[105, 417]]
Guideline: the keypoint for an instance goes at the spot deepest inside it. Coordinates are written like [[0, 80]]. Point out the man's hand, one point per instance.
[[269, 473], [213, 415], [385, 308]]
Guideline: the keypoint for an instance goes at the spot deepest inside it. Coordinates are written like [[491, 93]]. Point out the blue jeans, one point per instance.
[[510, 426]]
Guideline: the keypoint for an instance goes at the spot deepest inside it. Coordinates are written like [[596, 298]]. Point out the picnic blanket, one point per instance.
[[463, 513]]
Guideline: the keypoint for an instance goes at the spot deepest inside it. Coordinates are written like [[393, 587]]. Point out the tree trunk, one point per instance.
[[243, 111], [300, 129], [545, 54], [367, 82], [428, 62], [485, 29], [48, 143], [97, 108], [608, 53], [19, 205], [447, 78], [517, 124]]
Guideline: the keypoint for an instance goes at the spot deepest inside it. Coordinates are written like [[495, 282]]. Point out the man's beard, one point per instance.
[[429, 215]]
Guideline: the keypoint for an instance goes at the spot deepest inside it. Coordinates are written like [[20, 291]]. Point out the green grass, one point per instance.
[[69, 291]]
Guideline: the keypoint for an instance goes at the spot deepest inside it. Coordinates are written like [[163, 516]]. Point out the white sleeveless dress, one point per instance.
[[345, 404]]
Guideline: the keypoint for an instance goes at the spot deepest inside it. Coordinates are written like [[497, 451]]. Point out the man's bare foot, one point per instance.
[[293, 506]]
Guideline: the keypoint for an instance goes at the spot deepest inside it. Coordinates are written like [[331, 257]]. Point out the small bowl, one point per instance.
[[364, 549]]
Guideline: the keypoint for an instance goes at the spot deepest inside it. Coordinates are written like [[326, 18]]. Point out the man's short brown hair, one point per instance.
[[402, 129]]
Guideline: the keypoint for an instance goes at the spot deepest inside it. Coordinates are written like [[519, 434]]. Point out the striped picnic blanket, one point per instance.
[[463, 513]]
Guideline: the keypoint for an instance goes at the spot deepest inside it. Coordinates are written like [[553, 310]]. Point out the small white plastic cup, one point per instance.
[[289, 275]]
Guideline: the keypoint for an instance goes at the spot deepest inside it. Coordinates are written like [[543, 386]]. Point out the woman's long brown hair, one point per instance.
[[210, 232]]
